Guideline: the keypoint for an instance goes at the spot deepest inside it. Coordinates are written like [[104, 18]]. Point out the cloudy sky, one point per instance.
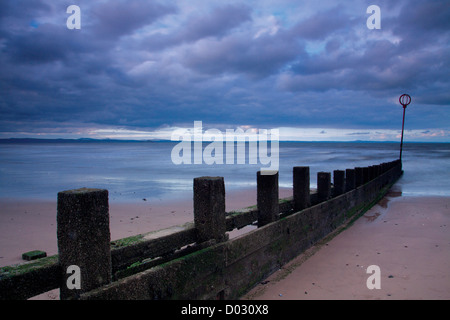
[[141, 69]]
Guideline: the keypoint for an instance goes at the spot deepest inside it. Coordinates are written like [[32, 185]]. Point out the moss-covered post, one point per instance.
[[366, 176], [382, 172], [377, 170], [359, 177], [372, 174], [209, 209], [338, 182], [399, 166], [83, 241], [323, 186], [301, 188], [267, 198], [349, 179]]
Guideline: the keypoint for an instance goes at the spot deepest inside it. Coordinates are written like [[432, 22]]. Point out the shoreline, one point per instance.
[[27, 225], [406, 237]]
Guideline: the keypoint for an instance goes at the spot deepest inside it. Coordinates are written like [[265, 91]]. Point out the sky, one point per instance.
[[141, 69]]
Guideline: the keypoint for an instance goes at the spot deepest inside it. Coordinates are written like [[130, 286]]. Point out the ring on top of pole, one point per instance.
[[404, 100]]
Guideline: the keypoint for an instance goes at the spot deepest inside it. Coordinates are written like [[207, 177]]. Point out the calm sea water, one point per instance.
[[136, 170]]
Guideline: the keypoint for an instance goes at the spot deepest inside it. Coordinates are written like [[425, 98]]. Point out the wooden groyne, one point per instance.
[[196, 260]]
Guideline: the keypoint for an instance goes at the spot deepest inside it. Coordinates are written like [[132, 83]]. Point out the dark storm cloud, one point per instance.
[[50, 73], [23, 9], [415, 57], [262, 56], [142, 64], [118, 18], [49, 41], [42, 45], [216, 23], [322, 24], [421, 23]]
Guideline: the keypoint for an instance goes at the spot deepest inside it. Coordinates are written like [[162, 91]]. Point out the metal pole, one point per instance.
[[404, 100], [403, 126]]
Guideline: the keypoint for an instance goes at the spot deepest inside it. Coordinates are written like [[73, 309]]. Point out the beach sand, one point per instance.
[[408, 238], [31, 225], [27, 225]]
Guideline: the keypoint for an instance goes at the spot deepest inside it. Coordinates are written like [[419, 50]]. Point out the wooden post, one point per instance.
[[359, 177], [377, 170], [267, 198], [338, 182], [209, 208], [323, 186], [301, 188], [365, 175], [371, 173], [83, 241], [349, 179]]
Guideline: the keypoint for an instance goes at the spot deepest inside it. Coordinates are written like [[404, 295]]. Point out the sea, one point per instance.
[[144, 170]]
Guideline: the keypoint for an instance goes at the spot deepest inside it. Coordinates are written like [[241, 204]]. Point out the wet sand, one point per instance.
[[31, 225], [408, 238]]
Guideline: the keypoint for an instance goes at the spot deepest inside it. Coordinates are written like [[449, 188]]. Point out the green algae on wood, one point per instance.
[[34, 255]]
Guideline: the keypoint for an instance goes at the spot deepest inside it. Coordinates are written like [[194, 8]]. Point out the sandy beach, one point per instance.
[[408, 238], [31, 225], [27, 225]]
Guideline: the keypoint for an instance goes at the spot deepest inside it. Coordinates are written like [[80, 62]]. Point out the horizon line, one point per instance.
[[13, 139]]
